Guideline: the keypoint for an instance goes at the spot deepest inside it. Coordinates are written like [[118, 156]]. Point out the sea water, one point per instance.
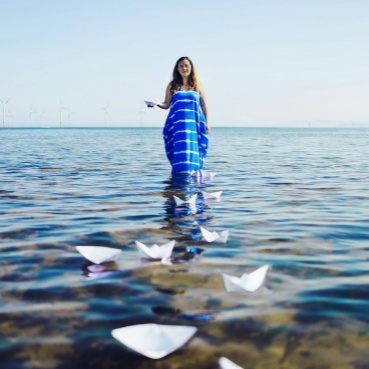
[[294, 199]]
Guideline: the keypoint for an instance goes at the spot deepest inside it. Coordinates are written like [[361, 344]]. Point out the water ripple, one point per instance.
[[295, 199]]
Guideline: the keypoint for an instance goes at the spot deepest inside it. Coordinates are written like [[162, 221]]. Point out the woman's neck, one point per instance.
[[185, 85]]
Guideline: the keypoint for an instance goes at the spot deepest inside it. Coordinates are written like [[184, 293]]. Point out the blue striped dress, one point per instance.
[[184, 133]]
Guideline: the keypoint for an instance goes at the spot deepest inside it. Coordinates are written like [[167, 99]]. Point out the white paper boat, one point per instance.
[[150, 103], [155, 251], [248, 282], [99, 254], [214, 236], [212, 196], [203, 174], [225, 363], [190, 202], [154, 340]]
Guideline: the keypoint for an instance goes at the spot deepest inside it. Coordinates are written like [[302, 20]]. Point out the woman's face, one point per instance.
[[184, 68]]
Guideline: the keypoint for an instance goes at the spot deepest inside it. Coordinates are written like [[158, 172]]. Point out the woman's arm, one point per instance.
[[204, 109], [168, 99]]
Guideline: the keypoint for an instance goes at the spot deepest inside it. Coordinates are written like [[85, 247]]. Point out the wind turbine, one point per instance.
[[4, 109], [106, 113], [70, 112], [140, 114], [61, 108], [30, 113], [9, 115], [43, 116]]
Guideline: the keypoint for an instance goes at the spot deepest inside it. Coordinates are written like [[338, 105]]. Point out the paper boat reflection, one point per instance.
[[96, 271], [214, 236], [248, 282], [225, 363], [99, 254], [212, 196], [203, 174], [100, 275], [154, 340], [155, 251]]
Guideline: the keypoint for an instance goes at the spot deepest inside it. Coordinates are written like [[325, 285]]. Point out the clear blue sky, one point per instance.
[[262, 62]]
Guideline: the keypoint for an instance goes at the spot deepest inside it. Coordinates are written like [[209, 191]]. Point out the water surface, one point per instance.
[[295, 199]]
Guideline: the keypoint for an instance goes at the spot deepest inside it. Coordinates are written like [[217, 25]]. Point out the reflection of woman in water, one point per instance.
[[183, 220], [186, 128]]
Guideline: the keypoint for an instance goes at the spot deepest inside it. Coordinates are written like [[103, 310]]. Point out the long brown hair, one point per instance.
[[177, 81]]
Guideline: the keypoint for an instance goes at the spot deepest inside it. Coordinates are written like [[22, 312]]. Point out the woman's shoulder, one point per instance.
[[200, 87]]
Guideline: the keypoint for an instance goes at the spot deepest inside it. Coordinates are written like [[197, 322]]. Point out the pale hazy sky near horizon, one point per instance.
[[266, 62]]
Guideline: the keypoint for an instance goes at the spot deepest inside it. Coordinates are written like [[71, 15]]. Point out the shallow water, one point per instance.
[[295, 199]]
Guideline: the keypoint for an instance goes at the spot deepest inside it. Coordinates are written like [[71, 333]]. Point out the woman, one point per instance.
[[186, 128]]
